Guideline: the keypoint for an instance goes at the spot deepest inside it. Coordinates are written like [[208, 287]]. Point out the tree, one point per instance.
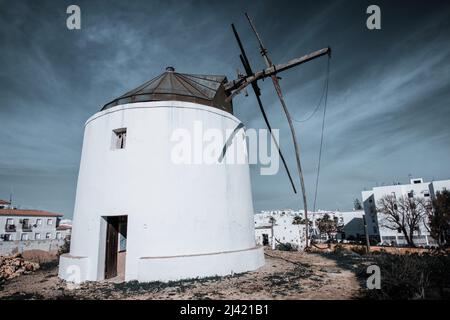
[[327, 225], [404, 214], [272, 220], [357, 204], [439, 219], [298, 220]]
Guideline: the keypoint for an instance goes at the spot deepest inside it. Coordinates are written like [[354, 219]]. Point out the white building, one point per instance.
[[143, 215], [274, 227], [64, 231], [351, 224], [5, 204], [278, 224], [416, 188], [28, 225]]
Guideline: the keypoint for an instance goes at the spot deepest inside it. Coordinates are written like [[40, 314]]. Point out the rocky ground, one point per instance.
[[286, 275], [14, 266]]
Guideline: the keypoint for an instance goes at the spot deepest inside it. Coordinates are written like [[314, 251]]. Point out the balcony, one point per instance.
[[26, 227], [10, 228]]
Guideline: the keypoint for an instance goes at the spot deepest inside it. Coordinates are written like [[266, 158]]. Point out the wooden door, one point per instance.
[[112, 236]]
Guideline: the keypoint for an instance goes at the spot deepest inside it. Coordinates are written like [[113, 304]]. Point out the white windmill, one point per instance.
[[143, 216]]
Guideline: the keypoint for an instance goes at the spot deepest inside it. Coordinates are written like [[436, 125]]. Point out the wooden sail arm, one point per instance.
[[240, 84]]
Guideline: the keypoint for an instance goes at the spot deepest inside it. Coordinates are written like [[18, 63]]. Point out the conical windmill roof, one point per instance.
[[170, 85]]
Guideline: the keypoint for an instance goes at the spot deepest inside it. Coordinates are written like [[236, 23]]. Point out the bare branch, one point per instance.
[[404, 214]]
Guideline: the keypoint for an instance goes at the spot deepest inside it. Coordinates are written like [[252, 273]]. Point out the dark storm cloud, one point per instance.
[[388, 110]]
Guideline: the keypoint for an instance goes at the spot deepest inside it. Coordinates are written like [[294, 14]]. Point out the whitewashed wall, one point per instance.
[[282, 231], [12, 247]]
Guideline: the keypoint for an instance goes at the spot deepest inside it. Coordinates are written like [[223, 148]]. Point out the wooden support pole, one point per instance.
[[271, 71], [366, 233]]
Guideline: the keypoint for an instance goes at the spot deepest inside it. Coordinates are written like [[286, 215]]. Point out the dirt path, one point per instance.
[[286, 275]]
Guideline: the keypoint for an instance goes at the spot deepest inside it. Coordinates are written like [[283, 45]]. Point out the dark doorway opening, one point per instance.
[[116, 242], [265, 239]]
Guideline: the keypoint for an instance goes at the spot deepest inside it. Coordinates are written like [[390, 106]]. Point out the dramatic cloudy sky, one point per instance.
[[388, 111]]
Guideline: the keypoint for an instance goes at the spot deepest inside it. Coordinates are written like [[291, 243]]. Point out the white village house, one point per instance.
[[416, 188], [4, 204], [22, 230], [278, 225], [64, 231], [272, 227], [141, 215], [351, 224]]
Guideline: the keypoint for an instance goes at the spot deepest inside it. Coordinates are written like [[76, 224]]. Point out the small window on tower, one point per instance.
[[119, 138]]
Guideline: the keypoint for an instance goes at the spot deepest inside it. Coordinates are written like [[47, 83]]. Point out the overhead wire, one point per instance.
[[322, 132], [325, 86]]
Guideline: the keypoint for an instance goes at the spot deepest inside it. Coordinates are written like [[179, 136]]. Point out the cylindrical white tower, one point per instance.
[[149, 204]]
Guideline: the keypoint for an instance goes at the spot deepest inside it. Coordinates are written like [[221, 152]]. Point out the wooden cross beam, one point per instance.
[[240, 83]]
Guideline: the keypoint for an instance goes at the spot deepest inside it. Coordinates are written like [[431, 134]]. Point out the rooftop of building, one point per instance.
[[30, 213], [63, 227], [412, 181]]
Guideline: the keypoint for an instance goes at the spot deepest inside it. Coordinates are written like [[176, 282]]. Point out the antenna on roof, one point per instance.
[[238, 85], [11, 199]]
